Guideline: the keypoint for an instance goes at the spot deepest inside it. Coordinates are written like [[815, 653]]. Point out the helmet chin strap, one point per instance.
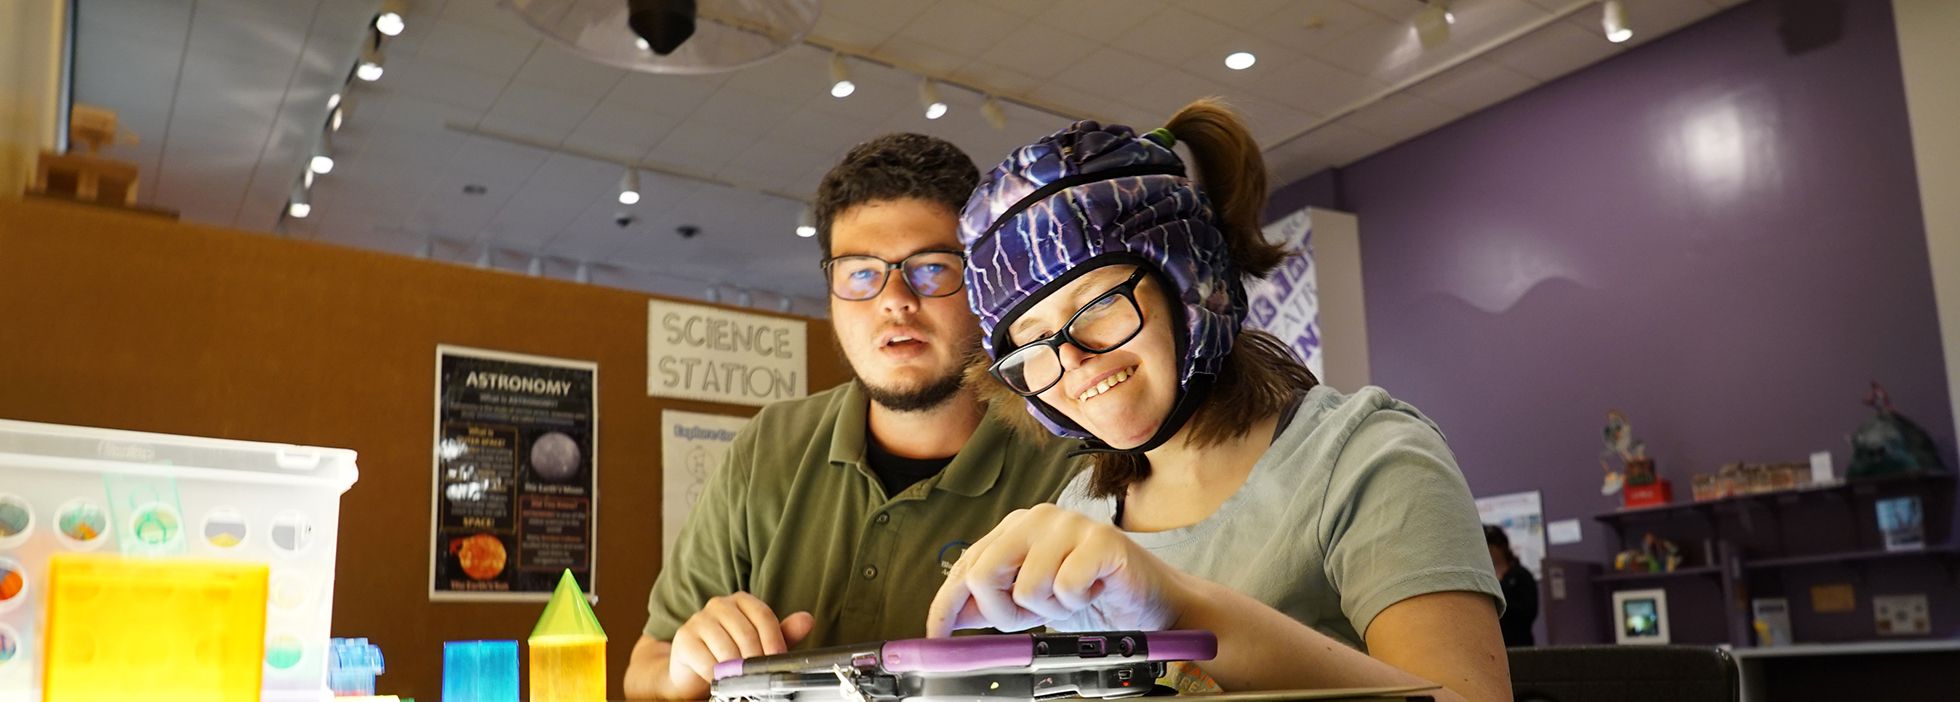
[[1189, 399]]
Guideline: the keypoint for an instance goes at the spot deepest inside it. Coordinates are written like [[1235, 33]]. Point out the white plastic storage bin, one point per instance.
[[77, 489]]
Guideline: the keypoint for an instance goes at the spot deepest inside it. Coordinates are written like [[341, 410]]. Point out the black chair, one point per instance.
[[1629, 673]]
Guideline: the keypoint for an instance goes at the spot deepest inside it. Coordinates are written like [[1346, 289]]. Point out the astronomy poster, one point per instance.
[[515, 475]]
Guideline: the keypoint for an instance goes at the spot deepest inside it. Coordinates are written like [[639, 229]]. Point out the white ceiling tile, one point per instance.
[[1309, 24], [666, 94], [832, 29], [1402, 117], [486, 15], [1239, 14], [963, 28], [1021, 8], [1474, 85], [1097, 20], [1174, 37], [546, 112], [443, 82], [889, 15], [1551, 52], [1269, 120], [1340, 143], [483, 51], [1035, 50], [621, 132], [1309, 85], [1377, 47], [1007, 81], [929, 57], [741, 113], [1110, 71], [562, 71]]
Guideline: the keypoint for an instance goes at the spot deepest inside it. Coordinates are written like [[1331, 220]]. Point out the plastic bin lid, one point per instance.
[[143, 451]]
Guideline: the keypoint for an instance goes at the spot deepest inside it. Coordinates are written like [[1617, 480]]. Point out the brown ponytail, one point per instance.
[[1232, 174]]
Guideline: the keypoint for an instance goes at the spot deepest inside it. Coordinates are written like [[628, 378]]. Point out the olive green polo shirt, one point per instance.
[[796, 518]]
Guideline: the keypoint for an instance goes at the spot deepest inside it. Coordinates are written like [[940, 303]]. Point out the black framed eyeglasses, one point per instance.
[[933, 273], [1107, 322]]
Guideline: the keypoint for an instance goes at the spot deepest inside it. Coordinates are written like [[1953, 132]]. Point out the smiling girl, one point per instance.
[[1328, 539]]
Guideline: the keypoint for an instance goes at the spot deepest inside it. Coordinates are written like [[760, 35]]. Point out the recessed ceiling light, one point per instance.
[[642, 43], [475, 189], [1240, 61], [390, 23]]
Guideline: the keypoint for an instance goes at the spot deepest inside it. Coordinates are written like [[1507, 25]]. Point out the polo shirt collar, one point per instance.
[[973, 472]]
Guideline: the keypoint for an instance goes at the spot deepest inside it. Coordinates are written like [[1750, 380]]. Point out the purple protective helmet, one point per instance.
[[1091, 196]]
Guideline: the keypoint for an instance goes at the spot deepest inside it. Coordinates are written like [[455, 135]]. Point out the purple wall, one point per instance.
[[1720, 238]]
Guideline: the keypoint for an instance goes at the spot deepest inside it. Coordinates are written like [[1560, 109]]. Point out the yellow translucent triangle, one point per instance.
[[567, 618]]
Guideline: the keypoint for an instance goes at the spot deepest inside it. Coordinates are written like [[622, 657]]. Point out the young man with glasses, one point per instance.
[[835, 517]]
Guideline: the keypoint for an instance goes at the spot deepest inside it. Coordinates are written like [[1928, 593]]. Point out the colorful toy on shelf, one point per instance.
[[1619, 444], [479, 671], [1638, 485], [1888, 443], [352, 665], [568, 649], [122, 628], [1655, 555]]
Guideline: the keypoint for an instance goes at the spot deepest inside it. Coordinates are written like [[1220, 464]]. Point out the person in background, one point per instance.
[[834, 516], [1324, 537], [1520, 589]]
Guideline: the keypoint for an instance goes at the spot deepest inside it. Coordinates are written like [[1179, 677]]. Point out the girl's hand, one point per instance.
[[1050, 566]]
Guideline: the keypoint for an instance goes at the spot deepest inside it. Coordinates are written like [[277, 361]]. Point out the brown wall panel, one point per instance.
[[127, 321]]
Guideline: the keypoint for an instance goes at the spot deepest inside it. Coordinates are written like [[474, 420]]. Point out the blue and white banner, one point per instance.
[[1287, 303]]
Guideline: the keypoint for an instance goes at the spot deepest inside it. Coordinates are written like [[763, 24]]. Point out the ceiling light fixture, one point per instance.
[[840, 78], [629, 187], [298, 207], [806, 224], [322, 162], [1613, 18], [333, 101], [1432, 24], [996, 117], [642, 43], [929, 97], [370, 69], [389, 21], [1241, 60]]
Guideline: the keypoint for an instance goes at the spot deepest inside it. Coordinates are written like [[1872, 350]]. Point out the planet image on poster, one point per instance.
[[482, 556], [555, 457]]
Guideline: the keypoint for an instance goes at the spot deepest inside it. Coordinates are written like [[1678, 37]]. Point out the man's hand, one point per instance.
[[731, 627], [727, 628]]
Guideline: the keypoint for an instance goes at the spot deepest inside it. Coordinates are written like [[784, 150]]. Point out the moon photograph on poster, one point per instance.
[[555, 457]]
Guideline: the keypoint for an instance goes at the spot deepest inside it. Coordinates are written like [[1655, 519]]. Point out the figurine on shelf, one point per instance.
[[1663, 554], [1655, 555], [1888, 443], [1619, 444]]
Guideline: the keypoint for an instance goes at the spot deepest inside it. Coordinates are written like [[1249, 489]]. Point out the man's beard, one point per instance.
[[926, 396]]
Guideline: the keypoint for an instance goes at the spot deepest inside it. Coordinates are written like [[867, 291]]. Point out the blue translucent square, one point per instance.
[[479, 671]]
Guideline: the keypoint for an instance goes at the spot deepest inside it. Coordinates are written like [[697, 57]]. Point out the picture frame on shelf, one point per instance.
[[1640, 617], [1902, 522]]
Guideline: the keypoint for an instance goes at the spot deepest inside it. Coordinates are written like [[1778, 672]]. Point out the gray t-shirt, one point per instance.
[[1357, 505]]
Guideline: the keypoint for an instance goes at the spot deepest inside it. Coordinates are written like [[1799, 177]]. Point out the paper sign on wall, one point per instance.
[[1522, 518], [697, 352], [516, 475], [692, 447], [1287, 303]]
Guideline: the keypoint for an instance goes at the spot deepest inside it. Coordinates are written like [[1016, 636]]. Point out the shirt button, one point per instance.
[[870, 572], [883, 517]]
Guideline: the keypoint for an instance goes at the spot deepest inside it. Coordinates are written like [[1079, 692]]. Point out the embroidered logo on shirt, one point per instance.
[[949, 554]]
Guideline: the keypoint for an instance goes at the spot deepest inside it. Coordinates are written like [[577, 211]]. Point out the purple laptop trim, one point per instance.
[[973, 653], [1182, 645], [958, 654]]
